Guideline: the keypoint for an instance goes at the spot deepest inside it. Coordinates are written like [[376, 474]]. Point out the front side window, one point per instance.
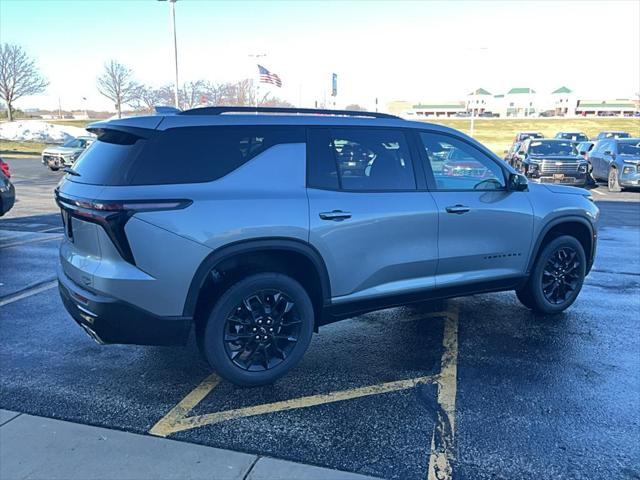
[[359, 159], [456, 165]]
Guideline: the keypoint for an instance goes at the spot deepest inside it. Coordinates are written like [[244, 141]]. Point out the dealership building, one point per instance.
[[518, 102]]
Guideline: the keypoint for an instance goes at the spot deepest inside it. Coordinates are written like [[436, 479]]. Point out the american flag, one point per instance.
[[269, 77]]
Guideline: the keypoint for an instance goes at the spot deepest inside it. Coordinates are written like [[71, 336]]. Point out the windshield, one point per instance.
[[614, 135], [629, 148], [552, 148], [579, 137], [75, 143]]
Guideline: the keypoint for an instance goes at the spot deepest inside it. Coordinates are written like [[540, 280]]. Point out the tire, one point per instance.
[[252, 307], [555, 297], [612, 182], [54, 169]]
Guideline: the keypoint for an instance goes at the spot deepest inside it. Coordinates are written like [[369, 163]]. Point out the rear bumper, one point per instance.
[[109, 320]]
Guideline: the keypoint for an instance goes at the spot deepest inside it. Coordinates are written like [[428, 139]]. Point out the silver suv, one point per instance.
[[254, 227]]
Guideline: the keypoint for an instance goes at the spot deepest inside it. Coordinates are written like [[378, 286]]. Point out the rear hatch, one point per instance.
[[93, 224]]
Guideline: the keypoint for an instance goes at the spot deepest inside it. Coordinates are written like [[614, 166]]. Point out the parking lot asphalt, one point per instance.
[[479, 383]]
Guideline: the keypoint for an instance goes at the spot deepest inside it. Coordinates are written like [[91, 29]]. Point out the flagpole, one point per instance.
[[257, 87]]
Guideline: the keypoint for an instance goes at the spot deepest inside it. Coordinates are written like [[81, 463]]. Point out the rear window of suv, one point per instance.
[[178, 155]]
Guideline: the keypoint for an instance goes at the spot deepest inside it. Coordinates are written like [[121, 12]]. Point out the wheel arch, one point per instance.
[[574, 225], [252, 249]]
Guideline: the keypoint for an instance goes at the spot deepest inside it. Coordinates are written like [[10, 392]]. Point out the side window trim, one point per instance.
[[431, 181]]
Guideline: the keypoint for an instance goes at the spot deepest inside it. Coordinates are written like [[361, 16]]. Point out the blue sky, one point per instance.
[[427, 50]]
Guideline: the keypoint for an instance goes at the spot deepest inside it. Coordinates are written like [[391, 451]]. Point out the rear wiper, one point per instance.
[[71, 171]]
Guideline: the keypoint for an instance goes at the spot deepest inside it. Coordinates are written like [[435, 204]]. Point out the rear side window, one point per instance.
[[181, 155], [359, 159]]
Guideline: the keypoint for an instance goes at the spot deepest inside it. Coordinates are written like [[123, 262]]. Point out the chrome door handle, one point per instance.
[[336, 215], [457, 209]]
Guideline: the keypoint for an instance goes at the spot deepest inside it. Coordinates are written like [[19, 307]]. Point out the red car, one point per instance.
[[4, 166]]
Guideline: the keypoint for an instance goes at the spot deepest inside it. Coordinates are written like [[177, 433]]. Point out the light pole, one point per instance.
[[172, 13]]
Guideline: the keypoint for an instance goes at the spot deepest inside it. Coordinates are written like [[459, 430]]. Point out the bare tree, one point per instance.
[[19, 76], [192, 93], [117, 84]]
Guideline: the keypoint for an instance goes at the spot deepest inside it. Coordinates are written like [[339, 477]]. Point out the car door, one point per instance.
[[597, 159], [375, 229], [484, 230]]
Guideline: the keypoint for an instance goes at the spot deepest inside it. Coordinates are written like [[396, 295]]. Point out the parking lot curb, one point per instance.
[[39, 447]]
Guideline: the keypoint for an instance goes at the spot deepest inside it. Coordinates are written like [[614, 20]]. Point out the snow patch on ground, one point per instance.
[[38, 131]]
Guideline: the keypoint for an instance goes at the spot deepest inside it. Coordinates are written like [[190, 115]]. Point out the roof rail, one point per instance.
[[166, 110], [303, 111]]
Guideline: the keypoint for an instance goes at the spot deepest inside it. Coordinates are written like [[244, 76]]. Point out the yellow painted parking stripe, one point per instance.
[[442, 440], [163, 428], [167, 424], [442, 446]]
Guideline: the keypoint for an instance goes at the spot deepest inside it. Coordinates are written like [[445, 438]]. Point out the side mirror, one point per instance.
[[608, 153], [517, 182], [522, 153], [582, 152]]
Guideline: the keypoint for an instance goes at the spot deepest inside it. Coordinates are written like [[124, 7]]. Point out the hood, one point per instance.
[[60, 150], [565, 189]]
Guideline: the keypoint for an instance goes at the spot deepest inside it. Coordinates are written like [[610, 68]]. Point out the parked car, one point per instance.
[[552, 161], [64, 155], [573, 136], [617, 161], [249, 229], [522, 136], [612, 134], [510, 155], [7, 190], [4, 168], [584, 148]]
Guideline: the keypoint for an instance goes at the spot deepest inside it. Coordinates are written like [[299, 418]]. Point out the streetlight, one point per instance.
[[172, 11]]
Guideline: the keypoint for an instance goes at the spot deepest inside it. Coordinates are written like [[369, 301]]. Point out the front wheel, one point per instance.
[[613, 183], [259, 329], [556, 278]]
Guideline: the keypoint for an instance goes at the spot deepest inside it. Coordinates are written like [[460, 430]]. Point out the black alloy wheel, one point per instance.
[[262, 330], [561, 276]]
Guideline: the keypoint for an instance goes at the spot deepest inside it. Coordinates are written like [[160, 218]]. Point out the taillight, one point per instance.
[[114, 215], [4, 166]]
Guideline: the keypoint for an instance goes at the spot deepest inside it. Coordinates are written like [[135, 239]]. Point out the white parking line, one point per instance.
[[599, 193], [33, 240], [28, 292]]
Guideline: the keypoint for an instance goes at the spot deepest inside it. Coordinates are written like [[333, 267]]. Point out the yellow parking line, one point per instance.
[[442, 440], [167, 424], [177, 419], [187, 423]]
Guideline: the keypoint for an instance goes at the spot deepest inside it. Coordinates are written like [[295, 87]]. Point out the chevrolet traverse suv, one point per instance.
[[253, 227]]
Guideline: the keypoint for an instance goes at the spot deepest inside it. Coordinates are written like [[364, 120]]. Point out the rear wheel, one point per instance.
[[259, 329], [556, 278], [613, 182]]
